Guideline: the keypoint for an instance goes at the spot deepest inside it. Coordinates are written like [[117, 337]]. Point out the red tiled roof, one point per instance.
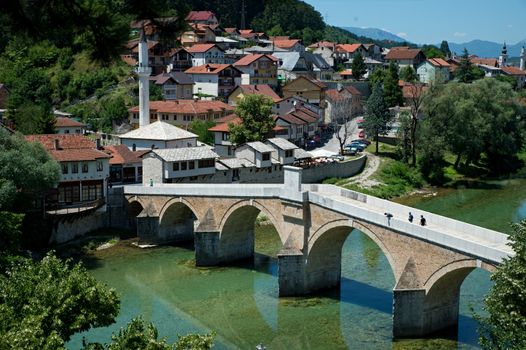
[[286, 44], [346, 72], [279, 37], [186, 107], [65, 141], [261, 89], [200, 48], [291, 119], [231, 30], [199, 15], [249, 59], [438, 62], [226, 118], [492, 62], [208, 69], [350, 48], [328, 44], [410, 90], [121, 154], [129, 60], [72, 155], [314, 81], [62, 122], [402, 53], [513, 71], [72, 147], [151, 44], [353, 90]]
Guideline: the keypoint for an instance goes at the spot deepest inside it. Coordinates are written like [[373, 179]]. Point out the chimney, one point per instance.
[[134, 148], [56, 145]]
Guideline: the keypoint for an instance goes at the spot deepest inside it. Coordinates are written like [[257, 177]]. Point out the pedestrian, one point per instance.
[[422, 220], [410, 218], [389, 216]]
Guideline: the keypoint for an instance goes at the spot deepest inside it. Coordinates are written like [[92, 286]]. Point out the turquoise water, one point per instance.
[[240, 302]]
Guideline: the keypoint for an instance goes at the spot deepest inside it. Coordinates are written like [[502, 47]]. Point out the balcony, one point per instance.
[[60, 209]]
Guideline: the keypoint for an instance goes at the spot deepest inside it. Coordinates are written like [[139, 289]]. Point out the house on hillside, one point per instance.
[[178, 60], [434, 70], [343, 102], [404, 56], [84, 170], [182, 112], [175, 85], [288, 44], [216, 80], [158, 135], [346, 52], [283, 150], [202, 17], [327, 50], [286, 104], [373, 51], [64, 125], [206, 54], [257, 153], [310, 89], [300, 124], [125, 164], [198, 34], [295, 64], [517, 73], [243, 90], [261, 69]]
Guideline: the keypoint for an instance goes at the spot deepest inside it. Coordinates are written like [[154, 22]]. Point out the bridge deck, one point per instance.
[[481, 243]]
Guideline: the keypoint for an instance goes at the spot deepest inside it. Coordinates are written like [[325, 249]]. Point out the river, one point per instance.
[[240, 302]]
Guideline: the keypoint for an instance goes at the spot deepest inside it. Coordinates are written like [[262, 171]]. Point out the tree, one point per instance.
[[156, 92], [257, 123], [358, 67], [378, 117], [415, 102], [200, 127], [377, 76], [340, 116], [42, 304], [392, 91], [505, 326], [30, 119], [444, 47], [10, 237], [18, 185], [431, 51], [464, 71], [408, 74], [144, 336]]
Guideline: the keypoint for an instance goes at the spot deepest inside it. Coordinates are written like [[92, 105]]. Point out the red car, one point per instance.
[[361, 134]]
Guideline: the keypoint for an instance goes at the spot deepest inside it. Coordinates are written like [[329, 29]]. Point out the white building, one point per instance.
[[158, 135], [206, 54], [433, 70], [64, 125], [168, 165], [217, 80], [256, 152], [283, 150]]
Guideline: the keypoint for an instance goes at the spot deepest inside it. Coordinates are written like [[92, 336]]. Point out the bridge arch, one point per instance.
[[237, 226], [177, 221], [324, 254]]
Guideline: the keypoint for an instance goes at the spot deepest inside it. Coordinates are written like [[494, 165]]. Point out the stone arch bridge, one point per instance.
[[429, 262]]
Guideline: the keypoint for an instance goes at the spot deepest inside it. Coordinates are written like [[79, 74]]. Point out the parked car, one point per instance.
[[359, 122], [349, 151], [361, 134], [337, 157]]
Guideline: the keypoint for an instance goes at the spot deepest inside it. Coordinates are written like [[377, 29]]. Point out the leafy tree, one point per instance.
[[200, 127], [505, 326], [42, 304], [10, 237], [431, 51], [156, 92], [404, 137], [144, 336], [377, 76], [444, 47], [507, 79], [276, 31], [378, 117], [34, 119], [392, 91], [257, 123], [464, 72], [415, 102], [408, 74], [358, 67], [17, 184], [113, 109]]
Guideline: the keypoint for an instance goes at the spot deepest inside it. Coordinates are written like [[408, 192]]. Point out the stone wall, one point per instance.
[[73, 226]]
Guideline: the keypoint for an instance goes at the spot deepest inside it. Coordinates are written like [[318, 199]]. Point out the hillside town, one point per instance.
[[193, 131]]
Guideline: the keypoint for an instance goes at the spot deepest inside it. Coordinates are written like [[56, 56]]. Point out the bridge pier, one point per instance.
[[207, 248], [147, 229], [291, 273]]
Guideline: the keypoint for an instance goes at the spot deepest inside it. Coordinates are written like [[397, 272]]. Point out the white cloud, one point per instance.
[[459, 34], [402, 35]]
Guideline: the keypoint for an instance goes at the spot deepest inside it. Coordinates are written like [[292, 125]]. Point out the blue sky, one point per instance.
[[431, 21]]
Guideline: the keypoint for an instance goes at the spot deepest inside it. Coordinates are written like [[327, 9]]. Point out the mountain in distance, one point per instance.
[[374, 33], [484, 48]]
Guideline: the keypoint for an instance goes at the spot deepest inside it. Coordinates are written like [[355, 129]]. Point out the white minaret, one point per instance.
[[523, 58], [143, 71], [503, 58]]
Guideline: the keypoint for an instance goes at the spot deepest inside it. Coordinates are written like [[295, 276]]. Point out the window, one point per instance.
[[66, 131], [99, 165], [74, 168], [176, 166], [206, 163], [183, 165], [289, 153], [85, 167], [266, 156], [191, 165], [64, 168], [225, 136]]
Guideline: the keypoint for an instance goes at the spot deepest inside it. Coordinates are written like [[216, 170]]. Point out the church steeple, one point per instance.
[[523, 58], [503, 58]]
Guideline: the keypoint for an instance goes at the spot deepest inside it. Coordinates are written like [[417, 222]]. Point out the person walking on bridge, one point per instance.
[[422, 220], [410, 218]]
